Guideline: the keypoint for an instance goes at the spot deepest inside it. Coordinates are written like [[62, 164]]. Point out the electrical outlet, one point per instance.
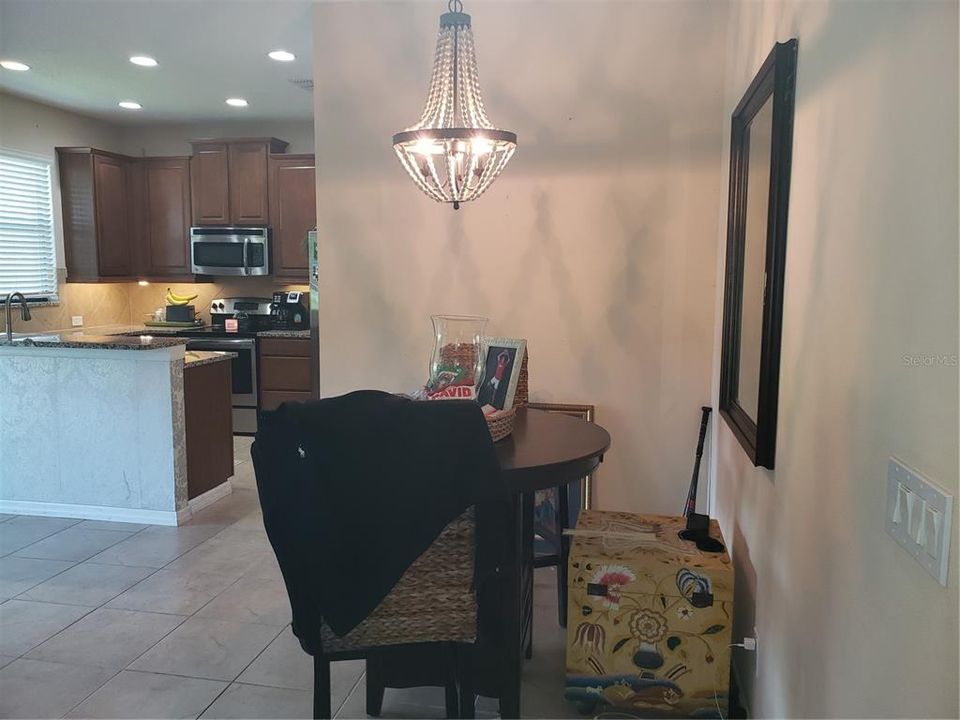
[[919, 513], [77, 321], [756, 653]]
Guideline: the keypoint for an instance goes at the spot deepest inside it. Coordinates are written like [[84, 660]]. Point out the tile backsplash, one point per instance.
[[130, 303], [147, 298], [98, 303]]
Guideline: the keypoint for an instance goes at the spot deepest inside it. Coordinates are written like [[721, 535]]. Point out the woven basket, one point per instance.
[[433, 601], [522, 398], [501, 424]]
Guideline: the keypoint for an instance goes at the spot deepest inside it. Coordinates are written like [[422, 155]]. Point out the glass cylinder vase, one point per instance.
[[457, 360]]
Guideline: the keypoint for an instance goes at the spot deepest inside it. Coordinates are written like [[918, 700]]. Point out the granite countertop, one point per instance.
[[139, 330], [290, 334], [193, 358], [93, 342]]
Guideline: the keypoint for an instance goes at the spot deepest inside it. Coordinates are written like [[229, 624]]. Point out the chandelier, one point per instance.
[[454, 153]]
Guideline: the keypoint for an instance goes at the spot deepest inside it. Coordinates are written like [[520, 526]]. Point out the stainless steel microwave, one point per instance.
[[230, 250]]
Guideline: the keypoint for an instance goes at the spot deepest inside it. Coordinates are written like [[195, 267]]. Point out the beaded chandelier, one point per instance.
[[454, 153]]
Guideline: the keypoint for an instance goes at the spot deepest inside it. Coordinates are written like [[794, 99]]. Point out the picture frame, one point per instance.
[[584, 412], [502, 360], [761, 149]]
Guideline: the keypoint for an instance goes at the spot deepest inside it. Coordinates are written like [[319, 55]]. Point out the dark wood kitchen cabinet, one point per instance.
[[208, 184], [208, 421], [230, 180], [165, 216], [97, 216], [284, 366], [293, 213]]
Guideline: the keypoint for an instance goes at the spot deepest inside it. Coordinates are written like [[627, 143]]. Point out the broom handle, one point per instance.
[[691, 506]]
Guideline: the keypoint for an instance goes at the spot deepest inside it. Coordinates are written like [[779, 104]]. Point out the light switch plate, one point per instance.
[[919, 514], [76, 320]]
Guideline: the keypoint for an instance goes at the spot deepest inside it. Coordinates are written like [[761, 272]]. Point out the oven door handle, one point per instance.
[[249, 342]]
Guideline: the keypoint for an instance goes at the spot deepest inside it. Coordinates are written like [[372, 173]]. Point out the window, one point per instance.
[[28, 257]]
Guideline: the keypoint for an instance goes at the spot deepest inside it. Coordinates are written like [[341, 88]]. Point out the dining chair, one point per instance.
[[433, 603]]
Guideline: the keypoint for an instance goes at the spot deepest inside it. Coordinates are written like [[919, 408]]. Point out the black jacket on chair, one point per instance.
[[355, 488]]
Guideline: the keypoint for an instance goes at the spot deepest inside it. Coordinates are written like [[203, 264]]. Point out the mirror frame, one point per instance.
[[777, 79]]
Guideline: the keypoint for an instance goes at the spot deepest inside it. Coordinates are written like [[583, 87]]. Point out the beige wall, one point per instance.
[[174, 138], [596, 244], [849, 624], [32, 127]]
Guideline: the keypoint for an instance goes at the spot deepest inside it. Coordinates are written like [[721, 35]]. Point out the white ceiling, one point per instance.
[[207, 50]]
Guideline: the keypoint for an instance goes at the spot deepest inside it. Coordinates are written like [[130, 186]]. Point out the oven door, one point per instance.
[[243, 377]]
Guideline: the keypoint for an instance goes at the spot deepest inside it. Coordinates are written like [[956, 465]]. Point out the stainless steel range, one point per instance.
[[235, 323]]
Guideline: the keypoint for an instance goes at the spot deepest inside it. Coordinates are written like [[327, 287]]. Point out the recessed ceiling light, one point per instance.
[[282, 56], [237, 102], [143, 60], [14, 65], [130, 105]]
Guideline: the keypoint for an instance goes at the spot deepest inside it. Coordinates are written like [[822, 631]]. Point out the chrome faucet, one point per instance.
[[24, 312]]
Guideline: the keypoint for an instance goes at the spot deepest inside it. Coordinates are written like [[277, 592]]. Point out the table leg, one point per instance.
[[563, 493], [526, 575], [513, 582]]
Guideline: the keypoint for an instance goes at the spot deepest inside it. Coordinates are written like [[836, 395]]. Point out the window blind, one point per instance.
[[28, 257]]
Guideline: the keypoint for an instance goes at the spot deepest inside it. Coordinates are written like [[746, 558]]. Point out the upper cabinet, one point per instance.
[[166, 216], [95, 195], [293, 213], [230, 180], [128, 218], [209, 184], [124, 218]]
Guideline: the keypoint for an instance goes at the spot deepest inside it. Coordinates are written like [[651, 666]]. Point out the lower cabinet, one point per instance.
[[208, 414], [284, 371]]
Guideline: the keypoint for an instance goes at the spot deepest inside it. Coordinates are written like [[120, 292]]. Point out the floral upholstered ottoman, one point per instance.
[[648, 618]]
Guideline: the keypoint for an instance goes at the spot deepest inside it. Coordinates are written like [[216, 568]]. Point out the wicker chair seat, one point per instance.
[[432, 602]]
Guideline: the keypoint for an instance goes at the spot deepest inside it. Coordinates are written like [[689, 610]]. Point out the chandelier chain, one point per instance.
[[455, 6]]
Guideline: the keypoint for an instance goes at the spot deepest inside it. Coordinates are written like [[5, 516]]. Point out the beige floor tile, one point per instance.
[[34, 689], [25, 624], [106, 638], [231, 556], [132, 694], [88, 583], [108, 525], [156, 546], [285, 664], [255, 701], [207, 648], [23, 530], [18, 575], [251, 600], [168, 591], [75, 543]]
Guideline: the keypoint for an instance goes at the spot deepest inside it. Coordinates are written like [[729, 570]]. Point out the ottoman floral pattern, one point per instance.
[[649, 618]]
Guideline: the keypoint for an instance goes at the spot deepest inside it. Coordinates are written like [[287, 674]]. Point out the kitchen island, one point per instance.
[[95, 427]]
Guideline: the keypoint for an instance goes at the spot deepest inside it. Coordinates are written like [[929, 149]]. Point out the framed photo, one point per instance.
[[585, 486], [501, 372]]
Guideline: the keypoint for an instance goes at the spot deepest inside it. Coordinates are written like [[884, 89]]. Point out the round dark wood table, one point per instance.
[[548, 449]]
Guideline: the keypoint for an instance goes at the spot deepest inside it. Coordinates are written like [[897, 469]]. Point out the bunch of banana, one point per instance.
[[174, 299]]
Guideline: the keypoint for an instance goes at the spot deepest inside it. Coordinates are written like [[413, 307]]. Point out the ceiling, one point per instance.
[[207, 50]]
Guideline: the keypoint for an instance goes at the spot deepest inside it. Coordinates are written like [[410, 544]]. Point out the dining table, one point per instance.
[[545, 450]]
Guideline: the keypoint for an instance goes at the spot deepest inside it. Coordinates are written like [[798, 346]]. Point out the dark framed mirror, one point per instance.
[[761, 145]]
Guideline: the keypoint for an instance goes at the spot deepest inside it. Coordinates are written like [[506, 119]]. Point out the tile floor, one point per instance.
[[111, 620]]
